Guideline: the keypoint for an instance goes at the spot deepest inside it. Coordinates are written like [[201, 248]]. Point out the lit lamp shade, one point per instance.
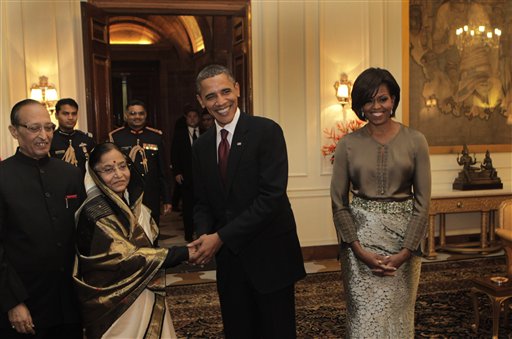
[[342, 92], [36, 94], [51, 94]]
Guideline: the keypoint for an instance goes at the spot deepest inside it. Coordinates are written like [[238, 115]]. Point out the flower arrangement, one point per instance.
[[335, 134]]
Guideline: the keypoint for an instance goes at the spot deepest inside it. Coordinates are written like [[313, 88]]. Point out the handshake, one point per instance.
[[202, 250]]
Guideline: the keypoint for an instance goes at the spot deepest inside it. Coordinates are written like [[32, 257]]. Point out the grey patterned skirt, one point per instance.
[[380, 307]]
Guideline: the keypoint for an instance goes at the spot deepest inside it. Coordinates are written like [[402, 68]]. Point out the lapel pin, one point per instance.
[[239, 143]]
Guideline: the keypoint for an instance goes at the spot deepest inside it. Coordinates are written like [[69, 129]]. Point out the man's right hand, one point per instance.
[[21, 320]]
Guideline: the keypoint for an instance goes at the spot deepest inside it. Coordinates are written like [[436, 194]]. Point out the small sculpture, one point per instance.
[[476, 178], [487, 165]]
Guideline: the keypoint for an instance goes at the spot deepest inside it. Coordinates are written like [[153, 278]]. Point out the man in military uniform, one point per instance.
[[144, 145], [70, 144]]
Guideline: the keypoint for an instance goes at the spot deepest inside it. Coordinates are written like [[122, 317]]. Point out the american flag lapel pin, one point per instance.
[[70, 196]]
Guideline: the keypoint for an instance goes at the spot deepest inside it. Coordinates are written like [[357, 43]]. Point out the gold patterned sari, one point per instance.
[[118, 275]]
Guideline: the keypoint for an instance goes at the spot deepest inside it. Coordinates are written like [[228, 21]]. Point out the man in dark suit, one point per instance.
[[181, 159], [144, 145], [39, 196], [243, 215]]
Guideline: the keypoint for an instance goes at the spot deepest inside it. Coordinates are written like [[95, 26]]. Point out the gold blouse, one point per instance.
[[396, 171]]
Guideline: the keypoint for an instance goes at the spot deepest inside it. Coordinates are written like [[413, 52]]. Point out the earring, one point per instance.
[[362, 113], [391, 113]]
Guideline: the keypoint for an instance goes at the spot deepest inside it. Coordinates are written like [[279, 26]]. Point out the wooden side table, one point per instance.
[[486, 202], [498, 294]]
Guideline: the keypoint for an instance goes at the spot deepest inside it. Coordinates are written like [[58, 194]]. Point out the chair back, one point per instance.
[[505, 214]]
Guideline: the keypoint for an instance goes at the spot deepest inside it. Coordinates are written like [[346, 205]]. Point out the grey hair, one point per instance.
[[209, 72]]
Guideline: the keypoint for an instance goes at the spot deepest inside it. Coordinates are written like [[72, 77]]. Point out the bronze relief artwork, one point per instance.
[[460, 73]]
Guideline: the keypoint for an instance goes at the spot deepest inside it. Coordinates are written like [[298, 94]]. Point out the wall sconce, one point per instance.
[[45, 93], [342, 89]]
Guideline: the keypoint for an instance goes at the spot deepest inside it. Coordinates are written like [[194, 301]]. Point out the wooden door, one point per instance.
[[240, 61], [97, 71]]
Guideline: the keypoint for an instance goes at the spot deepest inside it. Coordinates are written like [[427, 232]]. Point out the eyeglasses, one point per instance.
[[133, 113], [36, 128], [123, 166]]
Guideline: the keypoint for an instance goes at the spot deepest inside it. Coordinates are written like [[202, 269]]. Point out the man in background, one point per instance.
[[207, 121], [39, 196], [70, 144], [144, 145], [243, 216], [181, 159]]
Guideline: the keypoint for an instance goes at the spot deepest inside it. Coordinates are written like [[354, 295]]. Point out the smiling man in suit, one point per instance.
[[243, 216]]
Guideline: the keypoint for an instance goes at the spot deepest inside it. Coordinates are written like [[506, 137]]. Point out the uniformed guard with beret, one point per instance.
[[70, 144], [144, 145]]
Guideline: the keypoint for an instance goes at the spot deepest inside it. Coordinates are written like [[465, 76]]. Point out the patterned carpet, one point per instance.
[[443, 308]]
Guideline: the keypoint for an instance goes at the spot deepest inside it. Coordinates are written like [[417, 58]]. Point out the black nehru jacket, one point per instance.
[[156, 184], [81, 142], [38, 200]]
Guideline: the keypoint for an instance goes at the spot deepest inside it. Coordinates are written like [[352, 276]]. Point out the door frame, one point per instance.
[[186, 7]]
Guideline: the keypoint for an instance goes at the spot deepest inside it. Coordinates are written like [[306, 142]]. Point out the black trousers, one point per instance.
[[247, 313], [187, 193], [66, 331]]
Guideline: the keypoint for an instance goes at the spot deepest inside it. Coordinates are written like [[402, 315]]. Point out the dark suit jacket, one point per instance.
[[252, 213], [38, 200], [181, 155]]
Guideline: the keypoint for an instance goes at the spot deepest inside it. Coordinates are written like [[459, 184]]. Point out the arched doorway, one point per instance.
[[152, 51]]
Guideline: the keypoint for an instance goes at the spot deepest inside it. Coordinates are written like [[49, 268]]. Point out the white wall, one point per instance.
[[39, 38], [299, 50]]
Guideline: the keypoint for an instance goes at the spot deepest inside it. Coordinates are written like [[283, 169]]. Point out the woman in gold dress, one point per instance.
[[386, 168], [120, 274]]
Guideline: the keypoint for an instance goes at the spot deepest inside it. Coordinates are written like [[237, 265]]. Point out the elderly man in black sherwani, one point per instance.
[[243, 215], [38, 199]]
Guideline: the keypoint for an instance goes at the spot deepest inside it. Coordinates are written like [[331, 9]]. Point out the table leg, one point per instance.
[[484, 222], [496, 309], [431, 241], [442, 230], [492, 227], [496, 306]]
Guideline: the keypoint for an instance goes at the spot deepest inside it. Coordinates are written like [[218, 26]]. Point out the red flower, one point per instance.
[[335, 134]]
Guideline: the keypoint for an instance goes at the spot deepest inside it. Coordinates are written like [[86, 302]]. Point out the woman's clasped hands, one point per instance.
[[380, 265]]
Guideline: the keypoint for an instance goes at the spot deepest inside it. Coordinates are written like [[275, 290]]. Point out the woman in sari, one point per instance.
[[120, 274]]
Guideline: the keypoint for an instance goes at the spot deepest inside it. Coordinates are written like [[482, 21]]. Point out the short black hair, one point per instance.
[[367, 84], [137, 102], [101, 149], [65, 101], [15, 119], [209, 72], [189, 107]]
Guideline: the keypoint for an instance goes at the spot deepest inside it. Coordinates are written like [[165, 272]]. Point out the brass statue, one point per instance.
[[476, 178]]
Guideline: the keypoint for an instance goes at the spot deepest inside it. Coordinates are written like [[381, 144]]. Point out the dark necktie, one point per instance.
[[223, 154], [194, 135]]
